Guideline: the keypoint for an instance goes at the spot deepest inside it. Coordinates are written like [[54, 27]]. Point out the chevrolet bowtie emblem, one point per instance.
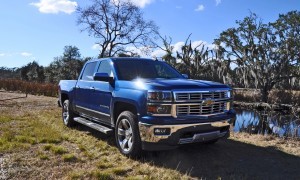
[[208, 102]]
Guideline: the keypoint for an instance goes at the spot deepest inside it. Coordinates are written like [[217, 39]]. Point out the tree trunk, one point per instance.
[[264, 94]]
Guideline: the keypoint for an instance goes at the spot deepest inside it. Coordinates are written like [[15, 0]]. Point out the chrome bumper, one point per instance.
[[147, 132]]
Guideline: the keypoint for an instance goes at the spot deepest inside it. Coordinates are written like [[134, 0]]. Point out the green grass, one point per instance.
[[102, 175], [69, 158], [44, 157], [58, 150], [120, 171], [102, 164], [21, 132], [4, 119], [47, 147], [76, 175]]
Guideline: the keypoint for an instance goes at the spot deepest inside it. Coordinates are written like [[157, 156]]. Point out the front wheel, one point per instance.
[[67, 114], [127, 135], [211, 141]]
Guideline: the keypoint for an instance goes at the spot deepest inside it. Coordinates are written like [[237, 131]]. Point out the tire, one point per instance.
[[127, 135], [211, 141], [67, 114]]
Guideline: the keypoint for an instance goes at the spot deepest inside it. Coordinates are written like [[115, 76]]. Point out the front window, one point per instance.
[[131, 69], [105, 68]]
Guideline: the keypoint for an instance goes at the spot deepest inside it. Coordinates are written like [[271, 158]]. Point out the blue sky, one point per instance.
[[39, 29]]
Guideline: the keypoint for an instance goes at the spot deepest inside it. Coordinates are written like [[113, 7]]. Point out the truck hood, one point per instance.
[[171, 84]]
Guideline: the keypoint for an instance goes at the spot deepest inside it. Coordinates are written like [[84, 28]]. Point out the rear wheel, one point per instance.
[[127, 135], [67, 114]]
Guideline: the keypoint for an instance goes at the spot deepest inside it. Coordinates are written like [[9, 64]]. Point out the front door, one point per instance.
[[102, 94]]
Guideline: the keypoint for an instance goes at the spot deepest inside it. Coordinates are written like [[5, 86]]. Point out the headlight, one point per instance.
[[159, 96], [159, 109], [229, 94]]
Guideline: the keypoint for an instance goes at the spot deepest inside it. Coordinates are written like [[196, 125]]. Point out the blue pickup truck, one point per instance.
[[147, 104]]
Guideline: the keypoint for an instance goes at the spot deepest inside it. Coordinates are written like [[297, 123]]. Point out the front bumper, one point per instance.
[[182, 134]]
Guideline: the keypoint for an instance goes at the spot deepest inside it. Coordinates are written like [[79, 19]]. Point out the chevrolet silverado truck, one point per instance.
[[147, 104]]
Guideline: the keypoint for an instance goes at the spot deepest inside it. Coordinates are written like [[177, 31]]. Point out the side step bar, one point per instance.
[[93, 125]]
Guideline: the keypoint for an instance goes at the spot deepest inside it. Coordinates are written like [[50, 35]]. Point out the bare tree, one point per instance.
[[117, 24]]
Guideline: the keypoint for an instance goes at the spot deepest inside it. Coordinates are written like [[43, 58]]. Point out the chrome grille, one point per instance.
[[200, 109], [196, 96]]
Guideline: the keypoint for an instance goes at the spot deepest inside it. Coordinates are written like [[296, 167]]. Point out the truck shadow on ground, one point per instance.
[[226, 159], [229, 159]]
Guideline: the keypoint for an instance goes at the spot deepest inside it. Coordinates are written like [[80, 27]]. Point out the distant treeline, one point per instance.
[[264, 56]]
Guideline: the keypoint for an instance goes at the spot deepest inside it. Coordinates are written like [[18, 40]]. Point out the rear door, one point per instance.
[[83, 88]]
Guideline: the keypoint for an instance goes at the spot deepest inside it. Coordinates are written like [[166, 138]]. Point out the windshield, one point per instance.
[[131, 69]]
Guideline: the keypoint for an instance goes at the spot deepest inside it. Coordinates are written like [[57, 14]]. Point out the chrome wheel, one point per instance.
[[125, 136], [66, 113]]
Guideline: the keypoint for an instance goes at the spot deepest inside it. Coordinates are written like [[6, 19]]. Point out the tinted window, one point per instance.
[[88, 71], [132, 69], [105, 67]]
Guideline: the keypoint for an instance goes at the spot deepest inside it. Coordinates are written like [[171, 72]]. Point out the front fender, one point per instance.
[[135, 97]]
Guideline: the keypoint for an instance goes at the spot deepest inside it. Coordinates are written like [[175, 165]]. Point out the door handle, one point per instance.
[[92, 88], [78, 87]]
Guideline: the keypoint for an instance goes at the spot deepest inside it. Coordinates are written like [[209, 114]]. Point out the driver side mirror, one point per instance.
[[185, 76], [103, 77]]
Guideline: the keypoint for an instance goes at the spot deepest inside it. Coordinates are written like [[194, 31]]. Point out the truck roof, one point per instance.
[[121, 58]]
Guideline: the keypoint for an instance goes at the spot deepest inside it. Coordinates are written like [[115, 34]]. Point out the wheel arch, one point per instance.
[[121, 106]]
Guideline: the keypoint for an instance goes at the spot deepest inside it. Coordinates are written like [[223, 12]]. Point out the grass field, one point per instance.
[[34, 144]]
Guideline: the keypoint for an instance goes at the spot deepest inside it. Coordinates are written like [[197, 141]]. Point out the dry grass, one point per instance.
[[34, 144], [287, 145]]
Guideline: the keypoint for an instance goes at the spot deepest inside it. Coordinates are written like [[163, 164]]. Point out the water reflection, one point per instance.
[[266, 122]]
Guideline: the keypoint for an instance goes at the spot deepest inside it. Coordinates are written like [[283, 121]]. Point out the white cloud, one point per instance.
[[197, 43], [158, 53], [96, 47], [26, 54], [177, 46], [218, 2], [178, 7], [56, 6], [200, 8], [139, 3], [6, 54]]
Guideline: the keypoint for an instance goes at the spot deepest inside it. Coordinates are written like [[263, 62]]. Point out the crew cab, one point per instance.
[[147, 104]]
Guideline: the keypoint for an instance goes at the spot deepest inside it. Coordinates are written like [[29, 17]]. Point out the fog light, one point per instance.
[[162, 131], [228, 106]]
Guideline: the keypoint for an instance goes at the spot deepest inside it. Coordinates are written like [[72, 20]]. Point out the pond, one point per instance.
[[265, 122]]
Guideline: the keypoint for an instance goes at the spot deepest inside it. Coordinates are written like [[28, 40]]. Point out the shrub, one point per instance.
[[26, 87]]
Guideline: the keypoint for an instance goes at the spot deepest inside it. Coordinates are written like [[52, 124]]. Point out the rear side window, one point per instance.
[[88, 71]]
